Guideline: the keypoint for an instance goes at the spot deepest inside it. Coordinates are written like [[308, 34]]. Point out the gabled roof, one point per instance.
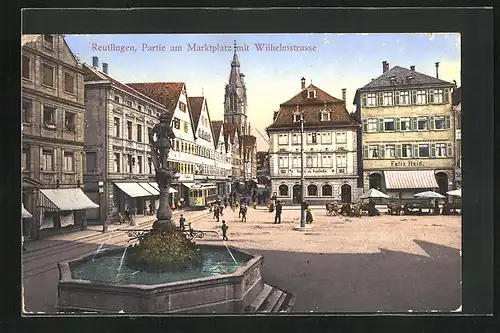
[[165, 93], [216, 128], [312, 108], [230, 131], [400, 77], [93, 74], [456, 96], [196, 104]]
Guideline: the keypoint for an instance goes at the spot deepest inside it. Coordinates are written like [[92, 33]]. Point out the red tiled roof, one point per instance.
[[165, 93], [321, 97], [216, 128], [230, 130], [196, 105]]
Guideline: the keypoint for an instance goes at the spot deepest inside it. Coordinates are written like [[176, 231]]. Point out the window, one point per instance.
[[68, 161], [296, 138], [69, 120], [182, 106], [312, 138], [312, 161], [326, 190], [312, 191], [388, 99], [130, 163], [341, 161], [27, 111], [404, 98], [372, 125], [406, 150], [437, 95], [421, 97], [380, 98], [311, 94], [48, 40], [283, 190], [26, 67], [91, 161], [129, 103], [117, 99], [47, 161], [25, 158], [177, 123], [439, 123], [371, 99], [69, 83], [372, 151], [129, 129], [423, 150], [49, 115], [296, 117], [139, 133], [117, 127], [47, 75], [186, 127], [282, 139], [326, 161], [422, 123], [150, 165], [341, 137], [389, 124], [139, 164], [440, 150], [117, 162], [326, 137], [283, 161], [139, 107], [295, 161], [390, 151], [405, 124], [325, 116]]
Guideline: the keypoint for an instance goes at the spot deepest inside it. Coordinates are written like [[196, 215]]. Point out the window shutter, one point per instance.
[[398, 150], [446, 96], [396, 98], [413, 97], [414, 124], [365, 125], [433, 150], [428, 95], [415, 150], [447, 122], [365, 151], [431, 123], [381, 151], [363, 99], [380, 124], [450, 149], [380, 99], [398, 124]]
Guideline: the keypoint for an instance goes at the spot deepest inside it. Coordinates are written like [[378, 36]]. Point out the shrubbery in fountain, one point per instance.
[[163, 251]]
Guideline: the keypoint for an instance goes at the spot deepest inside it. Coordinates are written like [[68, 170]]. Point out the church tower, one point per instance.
[[235, 97]]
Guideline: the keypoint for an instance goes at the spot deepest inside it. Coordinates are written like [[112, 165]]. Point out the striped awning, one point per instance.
[[157, 187], [420, 179], [150, 188], [67, 199], [134, 190], [24, 212]]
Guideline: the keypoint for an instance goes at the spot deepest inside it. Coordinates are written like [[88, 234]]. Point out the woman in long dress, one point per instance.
[[309, 216]]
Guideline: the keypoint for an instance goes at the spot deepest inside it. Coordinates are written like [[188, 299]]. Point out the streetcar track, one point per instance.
[[53, 265]]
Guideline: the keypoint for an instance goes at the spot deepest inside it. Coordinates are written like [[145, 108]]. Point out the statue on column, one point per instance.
[[161, 139]]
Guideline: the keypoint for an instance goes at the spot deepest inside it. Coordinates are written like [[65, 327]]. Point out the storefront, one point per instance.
[[404, 184], [133, 196]]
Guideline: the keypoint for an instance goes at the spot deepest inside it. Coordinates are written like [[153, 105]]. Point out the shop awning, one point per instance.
[[68, 198], [25, 213], [157, 187], [151, 189], [133, 190], [420, 179]]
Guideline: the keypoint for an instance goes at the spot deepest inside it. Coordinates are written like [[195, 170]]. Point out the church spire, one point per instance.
[[235, 62]]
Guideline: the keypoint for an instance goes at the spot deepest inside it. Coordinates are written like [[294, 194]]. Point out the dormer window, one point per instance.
[[311, 94], [296, 117], [325, 116], [392, 79], [409, 77], [48, 40]]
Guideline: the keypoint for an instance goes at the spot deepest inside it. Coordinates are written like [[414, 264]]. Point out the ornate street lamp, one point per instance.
[[302, 180]]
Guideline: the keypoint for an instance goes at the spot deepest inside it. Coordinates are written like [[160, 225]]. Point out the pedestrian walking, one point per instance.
[[182, 221], [215, 210], [151, 208], [221, 210], [309, 217], [255, 205], [243, 213], [224, 228], [217, 213], [277, 216]]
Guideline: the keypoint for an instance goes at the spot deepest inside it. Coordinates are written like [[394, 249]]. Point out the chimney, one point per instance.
[[437, 69], [303, 83], [344, 93], [105, 67], [274, 115], [412, 68], [385, 66], [95, 62]]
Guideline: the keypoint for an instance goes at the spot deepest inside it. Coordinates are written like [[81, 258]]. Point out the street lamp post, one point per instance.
[[302, 180], [104, 223]]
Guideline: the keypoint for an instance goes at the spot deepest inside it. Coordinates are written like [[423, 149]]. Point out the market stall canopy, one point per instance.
[[68, 199], [429, 194], [423, 179], [373, 193], [25, 213], [455, 193]]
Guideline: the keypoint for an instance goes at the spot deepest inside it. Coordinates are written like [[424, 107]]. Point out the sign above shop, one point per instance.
[[409, 163]]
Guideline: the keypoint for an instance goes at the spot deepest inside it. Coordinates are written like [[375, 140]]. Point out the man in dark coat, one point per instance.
[[277, 216], [224, 228]]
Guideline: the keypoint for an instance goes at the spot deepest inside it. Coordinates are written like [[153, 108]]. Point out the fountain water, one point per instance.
[[100, 246], [228, 250], [121, 263]]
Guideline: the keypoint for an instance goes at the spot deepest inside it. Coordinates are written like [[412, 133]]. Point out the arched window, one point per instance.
[[327, 190], [283, 190], [312, 191]]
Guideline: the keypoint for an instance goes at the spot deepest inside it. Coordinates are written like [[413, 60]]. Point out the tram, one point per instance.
[[202, 194]]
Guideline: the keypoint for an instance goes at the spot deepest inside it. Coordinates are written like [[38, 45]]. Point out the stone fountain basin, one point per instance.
[[219, 293]]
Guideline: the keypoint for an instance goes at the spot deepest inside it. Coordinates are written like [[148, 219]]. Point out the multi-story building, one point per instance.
[[249, 156], [408, 132], [263, 175], [232, 140], [456, 98], [329, 156], [52, 118], [119, 172], [223, 149]]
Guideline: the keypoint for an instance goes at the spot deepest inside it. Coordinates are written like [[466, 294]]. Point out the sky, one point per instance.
[[333, 62]]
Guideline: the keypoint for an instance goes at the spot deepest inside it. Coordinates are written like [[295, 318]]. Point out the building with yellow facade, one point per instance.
[[406, 143]]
